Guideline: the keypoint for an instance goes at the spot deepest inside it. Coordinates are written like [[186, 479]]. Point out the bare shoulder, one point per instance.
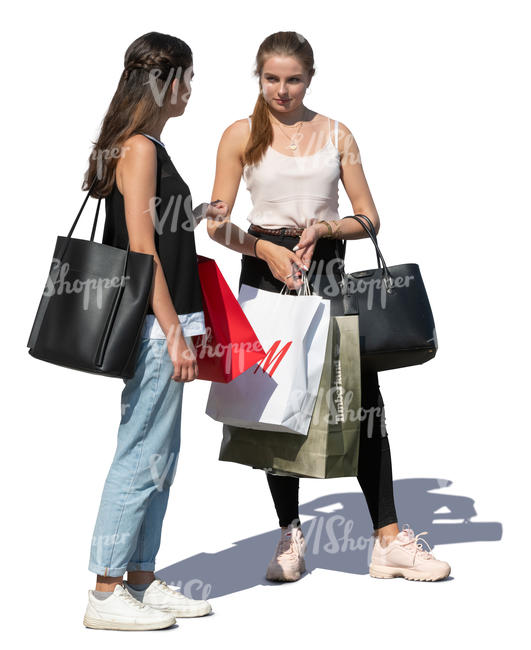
[[139, 145], [234, 138], [344, 133], [346, 141], [239, 128], [138, 153]]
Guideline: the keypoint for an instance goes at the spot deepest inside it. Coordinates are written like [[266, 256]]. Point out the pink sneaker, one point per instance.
[[404, 557], [288, 562]]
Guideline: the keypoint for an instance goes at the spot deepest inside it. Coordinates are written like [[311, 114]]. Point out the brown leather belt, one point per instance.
[[288, 232]]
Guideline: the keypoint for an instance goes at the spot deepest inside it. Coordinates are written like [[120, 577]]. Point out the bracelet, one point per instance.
[[337, 233], [330, 231], [332, 234], [255, 242]]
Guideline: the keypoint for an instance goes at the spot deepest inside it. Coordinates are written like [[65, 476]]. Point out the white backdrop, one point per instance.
[[436, 95]]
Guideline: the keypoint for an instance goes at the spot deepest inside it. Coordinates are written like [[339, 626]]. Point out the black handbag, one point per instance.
[[395, 319], [93, 306]]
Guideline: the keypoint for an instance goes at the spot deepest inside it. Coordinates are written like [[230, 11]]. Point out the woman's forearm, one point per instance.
[[230, 235], [162, 304], [348, 228]]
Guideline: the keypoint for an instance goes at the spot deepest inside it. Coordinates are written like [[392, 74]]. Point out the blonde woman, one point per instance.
[[292, 158]]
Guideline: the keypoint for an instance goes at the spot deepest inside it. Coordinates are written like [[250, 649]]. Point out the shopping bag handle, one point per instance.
[[305, 286]]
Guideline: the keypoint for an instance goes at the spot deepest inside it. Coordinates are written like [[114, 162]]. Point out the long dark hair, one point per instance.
[[151, 63], [283, 44]]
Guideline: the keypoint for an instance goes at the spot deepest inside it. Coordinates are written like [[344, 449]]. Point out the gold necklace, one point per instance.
[[292, 144]]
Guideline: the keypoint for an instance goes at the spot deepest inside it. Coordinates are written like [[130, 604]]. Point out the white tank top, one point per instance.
[[294, 191]]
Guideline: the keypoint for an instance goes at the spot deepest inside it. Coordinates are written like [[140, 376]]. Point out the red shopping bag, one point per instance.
[[230, 345]]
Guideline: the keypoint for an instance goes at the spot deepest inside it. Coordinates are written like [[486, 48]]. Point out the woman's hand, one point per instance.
[[306, 244], [183, 358], [282, 263], [217, 210]]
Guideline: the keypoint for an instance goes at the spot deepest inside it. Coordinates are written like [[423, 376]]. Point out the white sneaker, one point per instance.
[[165, 599], [287, 564], [404, 557], [121, 611]]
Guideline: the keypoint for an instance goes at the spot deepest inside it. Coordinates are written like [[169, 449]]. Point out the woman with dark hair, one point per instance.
[[291, 159], [148, 204]]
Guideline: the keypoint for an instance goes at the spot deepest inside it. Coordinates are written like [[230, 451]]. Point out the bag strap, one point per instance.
[[371, 231], [94, 224], [369, 222], [372, 235]]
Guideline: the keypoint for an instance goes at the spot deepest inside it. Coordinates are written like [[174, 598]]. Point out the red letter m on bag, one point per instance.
[[272, 357]]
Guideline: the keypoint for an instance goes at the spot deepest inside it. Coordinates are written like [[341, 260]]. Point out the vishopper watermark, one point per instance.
[[337, 282], [100, 542], [101, 155], [193, 588], [57, 284], [173, 209], [182, 76], [333, 404], [311, 145], [161, 479], [234, 352], [332, 534]]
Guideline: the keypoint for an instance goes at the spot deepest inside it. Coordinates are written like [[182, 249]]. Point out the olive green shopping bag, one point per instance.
[[330, 450]]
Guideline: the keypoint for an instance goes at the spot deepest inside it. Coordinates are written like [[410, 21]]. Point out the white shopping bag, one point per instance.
[[279, 392]]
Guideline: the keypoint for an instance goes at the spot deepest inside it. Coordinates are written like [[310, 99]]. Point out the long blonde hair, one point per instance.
[[282, 44]]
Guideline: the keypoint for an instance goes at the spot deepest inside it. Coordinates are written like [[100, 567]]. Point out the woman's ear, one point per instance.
[[174, 91]]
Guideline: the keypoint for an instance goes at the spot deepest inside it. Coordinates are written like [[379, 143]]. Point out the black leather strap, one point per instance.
[[350, 302], [369, 222], [94, 224], [379, 254]]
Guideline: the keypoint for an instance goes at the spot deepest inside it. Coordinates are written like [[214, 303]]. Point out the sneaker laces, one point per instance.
[[168, 589], [414, 539], [286, 545], [130, 598], [299, 538]]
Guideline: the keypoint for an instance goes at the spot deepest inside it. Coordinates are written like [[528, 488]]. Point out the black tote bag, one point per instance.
[[395, 318], [93, 306]]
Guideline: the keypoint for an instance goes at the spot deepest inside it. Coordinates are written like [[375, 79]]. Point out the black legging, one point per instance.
[[374, 470], [374, 464]]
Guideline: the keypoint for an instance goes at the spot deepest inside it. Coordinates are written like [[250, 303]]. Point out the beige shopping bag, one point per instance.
[[330, 450]]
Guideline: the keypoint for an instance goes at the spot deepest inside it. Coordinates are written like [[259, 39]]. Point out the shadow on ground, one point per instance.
[[338, 536]]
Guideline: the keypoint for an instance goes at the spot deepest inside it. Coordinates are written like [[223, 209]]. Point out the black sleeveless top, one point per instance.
[[174, 234]]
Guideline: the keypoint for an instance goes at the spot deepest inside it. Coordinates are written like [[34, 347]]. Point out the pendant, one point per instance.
[[292, 147]]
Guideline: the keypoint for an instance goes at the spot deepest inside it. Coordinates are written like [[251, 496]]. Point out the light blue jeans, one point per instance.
[[135, 495]]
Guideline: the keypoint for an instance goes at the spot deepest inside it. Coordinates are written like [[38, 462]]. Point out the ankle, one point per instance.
[[105, 583], [140, 577], [387, 534], [385, 540], [294, 523]]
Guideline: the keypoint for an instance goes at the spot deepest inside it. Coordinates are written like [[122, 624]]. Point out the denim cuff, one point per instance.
[[141, 566], [191, 325]]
